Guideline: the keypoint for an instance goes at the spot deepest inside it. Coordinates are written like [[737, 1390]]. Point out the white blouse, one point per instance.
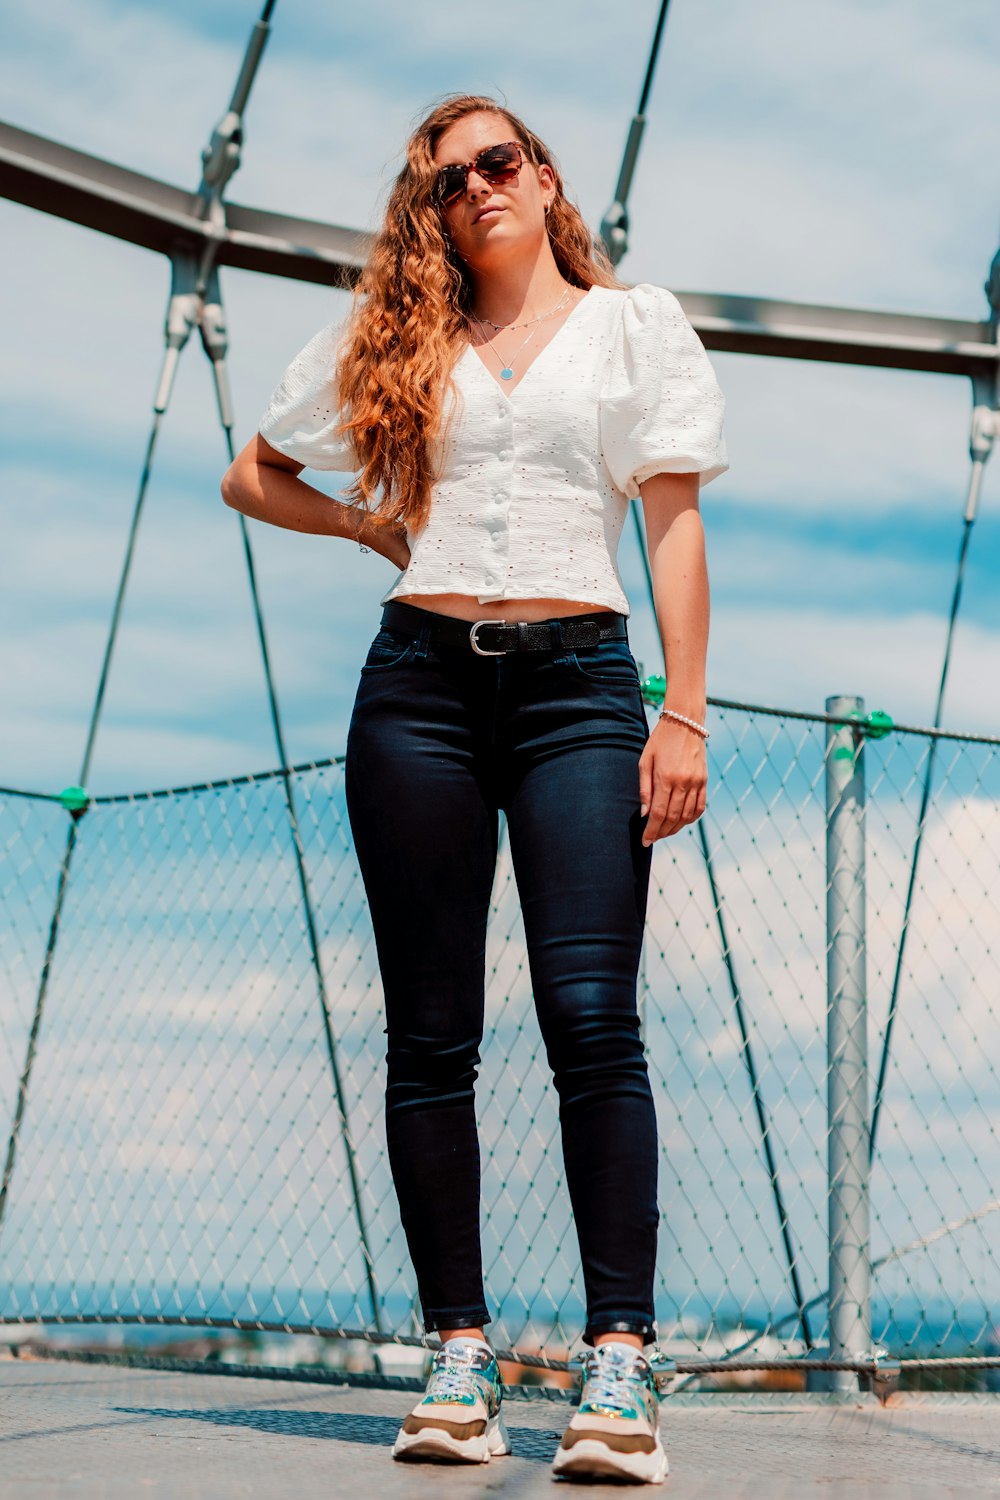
[[536, 488]]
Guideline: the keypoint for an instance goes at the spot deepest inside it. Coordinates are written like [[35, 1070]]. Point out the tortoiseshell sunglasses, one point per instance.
[[498, 164]]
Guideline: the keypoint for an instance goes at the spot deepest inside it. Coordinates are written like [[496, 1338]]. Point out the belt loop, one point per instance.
[[424, 639], [522, 635], [555, 631]]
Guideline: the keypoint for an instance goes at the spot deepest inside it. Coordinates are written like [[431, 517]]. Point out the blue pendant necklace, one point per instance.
[[506, 370]]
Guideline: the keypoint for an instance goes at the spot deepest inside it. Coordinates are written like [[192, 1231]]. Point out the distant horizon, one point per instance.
[[945, 1331]]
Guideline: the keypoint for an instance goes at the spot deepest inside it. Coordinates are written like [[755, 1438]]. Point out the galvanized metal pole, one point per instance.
[[847, 1043]]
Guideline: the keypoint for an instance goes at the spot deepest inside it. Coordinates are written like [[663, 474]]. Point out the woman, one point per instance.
[[507, 394]]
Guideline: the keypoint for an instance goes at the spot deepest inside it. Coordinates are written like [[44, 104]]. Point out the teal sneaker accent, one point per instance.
[[619, 1388], [458, 1381]]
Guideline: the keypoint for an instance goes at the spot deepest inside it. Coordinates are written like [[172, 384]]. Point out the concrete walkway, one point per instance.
[[99, 1430]]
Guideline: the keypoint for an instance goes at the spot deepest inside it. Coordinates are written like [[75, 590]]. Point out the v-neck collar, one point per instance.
[[470, 351]]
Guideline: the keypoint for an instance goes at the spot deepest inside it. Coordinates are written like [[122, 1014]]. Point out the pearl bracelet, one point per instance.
[[670, 713]]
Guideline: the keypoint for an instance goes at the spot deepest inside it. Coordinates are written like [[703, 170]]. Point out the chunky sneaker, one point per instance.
[[615, 1433], [458, 1417]]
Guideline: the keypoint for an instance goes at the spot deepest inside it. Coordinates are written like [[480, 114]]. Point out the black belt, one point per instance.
[[497, 637]]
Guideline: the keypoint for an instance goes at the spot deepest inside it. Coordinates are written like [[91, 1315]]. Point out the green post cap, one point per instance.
[[875, 726], [654, 689], [879, 724], [75, 799]]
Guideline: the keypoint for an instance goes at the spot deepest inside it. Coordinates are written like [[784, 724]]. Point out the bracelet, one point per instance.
[[670, 713]]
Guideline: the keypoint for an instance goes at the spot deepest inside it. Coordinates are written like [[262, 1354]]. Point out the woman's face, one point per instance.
[[516, 216]]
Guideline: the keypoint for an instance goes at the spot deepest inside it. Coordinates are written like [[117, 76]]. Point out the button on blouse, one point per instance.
[[534, 493]]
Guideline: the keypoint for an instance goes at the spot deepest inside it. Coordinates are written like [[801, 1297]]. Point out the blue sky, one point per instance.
[[831, 152]]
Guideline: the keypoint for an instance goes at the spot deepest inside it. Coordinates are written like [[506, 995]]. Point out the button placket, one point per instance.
[[501, 497]]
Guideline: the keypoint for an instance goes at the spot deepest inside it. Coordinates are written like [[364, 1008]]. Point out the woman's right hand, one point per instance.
[[394, 545]]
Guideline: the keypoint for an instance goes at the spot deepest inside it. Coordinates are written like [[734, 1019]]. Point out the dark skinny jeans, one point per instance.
[[440, 738]]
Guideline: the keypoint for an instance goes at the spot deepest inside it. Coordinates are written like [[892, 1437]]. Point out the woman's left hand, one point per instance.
[[673, 778]]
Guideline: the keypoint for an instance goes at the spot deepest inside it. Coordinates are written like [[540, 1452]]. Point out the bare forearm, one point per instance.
[[681, 599], [281, 498]]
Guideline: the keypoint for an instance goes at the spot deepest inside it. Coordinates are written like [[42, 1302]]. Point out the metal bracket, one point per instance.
[[884, 1376], [664, 1368]]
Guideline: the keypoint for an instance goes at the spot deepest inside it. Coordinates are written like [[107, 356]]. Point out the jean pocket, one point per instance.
[[390, 648], [609, 661]]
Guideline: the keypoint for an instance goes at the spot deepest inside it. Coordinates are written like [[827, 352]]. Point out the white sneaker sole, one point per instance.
[[434, 1442], [590, 1459]]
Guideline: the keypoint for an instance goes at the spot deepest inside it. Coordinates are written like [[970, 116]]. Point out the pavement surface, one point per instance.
[[71, 1429]]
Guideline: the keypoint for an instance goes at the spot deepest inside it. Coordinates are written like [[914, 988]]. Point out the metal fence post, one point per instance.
[[847, 1045]]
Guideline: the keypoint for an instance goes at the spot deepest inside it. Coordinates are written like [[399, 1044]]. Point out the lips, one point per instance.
[[493, 208]]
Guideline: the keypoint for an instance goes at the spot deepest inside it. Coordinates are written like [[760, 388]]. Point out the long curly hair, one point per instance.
[[407, 324]]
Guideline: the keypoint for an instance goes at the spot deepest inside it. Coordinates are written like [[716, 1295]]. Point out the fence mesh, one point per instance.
[[180, 1149]]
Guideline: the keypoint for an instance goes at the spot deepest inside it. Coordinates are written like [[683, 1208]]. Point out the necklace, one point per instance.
[[506, 369], [499, 326]]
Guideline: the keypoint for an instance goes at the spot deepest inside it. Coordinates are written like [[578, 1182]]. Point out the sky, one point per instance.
[[828, 152]]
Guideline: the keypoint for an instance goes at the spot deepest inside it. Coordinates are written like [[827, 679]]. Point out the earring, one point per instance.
[[548, 206]]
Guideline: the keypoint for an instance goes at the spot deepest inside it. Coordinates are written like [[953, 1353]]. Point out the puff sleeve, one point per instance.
[[303, 411], [662, 409]]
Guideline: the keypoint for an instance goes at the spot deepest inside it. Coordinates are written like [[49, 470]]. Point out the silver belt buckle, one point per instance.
[[472, 638]]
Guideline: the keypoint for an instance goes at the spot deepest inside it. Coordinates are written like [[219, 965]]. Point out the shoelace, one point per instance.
[[454, 1371], [606, 1376]]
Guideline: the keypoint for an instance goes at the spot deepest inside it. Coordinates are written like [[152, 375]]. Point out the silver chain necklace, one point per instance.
[[499, 326], [506, 369]]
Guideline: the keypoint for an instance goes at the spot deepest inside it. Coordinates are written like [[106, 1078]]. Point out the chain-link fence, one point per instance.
[[192, 1108]]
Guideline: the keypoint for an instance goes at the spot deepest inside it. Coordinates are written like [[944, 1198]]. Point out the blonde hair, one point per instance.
[[407, 325]]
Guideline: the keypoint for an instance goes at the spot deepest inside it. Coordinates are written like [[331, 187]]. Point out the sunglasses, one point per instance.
[[497, 164]]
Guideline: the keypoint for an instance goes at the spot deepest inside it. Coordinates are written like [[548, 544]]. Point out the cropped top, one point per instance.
[[535, 491]]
